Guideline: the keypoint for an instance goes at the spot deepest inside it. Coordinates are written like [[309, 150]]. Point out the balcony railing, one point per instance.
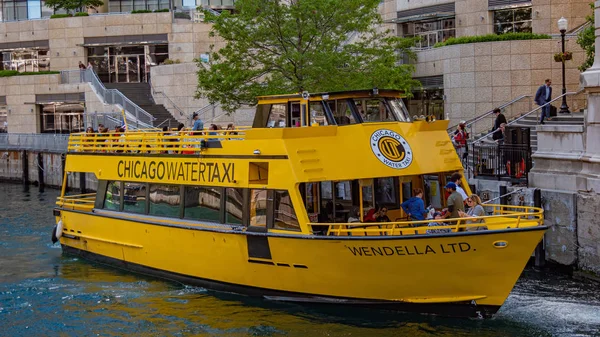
[[501, 161], [56, 143]]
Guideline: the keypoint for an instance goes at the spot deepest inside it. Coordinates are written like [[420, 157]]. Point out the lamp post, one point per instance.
[[562, 26]]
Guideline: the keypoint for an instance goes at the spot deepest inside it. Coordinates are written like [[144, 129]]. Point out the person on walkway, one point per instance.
[[81, 71], [460, 140], [543, 96], [500, 118], [498, 135]]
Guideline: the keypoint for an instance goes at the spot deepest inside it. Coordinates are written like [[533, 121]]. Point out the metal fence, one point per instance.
[[501, 161], [34, 142], [139, 117]]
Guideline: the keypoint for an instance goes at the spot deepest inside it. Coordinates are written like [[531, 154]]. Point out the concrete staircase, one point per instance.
[[140, 94], [531, 122]]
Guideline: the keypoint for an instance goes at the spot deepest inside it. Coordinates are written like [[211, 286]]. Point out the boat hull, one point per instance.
[[457, 274]]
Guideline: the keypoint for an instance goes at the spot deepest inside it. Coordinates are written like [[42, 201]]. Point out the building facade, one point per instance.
[[460, 82]]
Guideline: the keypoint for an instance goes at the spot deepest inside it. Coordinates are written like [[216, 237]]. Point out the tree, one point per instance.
[[586, 39], [276, 46], [73, 5]]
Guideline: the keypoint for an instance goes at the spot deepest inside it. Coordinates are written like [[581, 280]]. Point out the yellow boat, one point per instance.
[[264, 210]]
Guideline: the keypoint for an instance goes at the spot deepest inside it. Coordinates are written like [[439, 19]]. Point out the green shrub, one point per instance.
[[491, 38], [182, 15], [141, 11], [9, 73], [60, 16], [81, 14], [164, 10]]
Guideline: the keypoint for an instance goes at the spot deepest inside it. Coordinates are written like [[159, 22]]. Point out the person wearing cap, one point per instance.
[[198, 123], [455, 202]]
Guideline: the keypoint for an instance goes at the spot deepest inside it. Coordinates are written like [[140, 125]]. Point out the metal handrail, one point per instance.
[[167, 97], [486, 114], [534, 215], [150, 141], [504, 195], [50, 142], [530, 112]]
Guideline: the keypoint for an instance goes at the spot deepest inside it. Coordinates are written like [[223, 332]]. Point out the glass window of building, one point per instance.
[[164, 200], [126, 64], [285, 216], [203, 203], [512, 20], [258, 208], [62, 117], [234, 206], [25, 60], [112, 198], [430, 32], [118, 6], [134, 198], [3, 119]]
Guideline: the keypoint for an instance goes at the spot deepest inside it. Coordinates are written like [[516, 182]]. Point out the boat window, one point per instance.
[[134, 198], [343, 200], [296, 119], [317, 114], [399, 108], [342, 112], [235, 206], [311, 200], [367, 196], [386, 192], [203, 203], [277, 116], [374, 110], [165, 200], [285, 216], [112, 199], [433, 191], [261, 117], [258, 208]]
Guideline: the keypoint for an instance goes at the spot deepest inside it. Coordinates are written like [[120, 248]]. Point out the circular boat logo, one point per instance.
[[391, 149]]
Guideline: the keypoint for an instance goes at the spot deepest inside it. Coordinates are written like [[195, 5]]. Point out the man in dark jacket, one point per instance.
[[543, 96], [499, 119]]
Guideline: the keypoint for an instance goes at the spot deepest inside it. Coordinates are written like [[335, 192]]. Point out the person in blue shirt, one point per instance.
[[198, 123], [415, 207]]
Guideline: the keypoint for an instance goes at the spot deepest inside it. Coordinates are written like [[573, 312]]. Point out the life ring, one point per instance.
[[57, 231]]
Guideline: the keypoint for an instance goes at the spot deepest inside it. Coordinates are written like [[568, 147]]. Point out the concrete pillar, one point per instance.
[[590, 79]]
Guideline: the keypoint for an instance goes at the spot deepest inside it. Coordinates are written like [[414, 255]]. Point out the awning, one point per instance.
[[424, 13]]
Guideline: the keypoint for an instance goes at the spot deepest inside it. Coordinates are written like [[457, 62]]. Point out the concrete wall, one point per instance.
[[473, 17], [481, 76], [11, 169], [588, 231]]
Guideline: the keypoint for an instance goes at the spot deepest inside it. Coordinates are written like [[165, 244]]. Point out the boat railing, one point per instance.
[[151, 141], [502, 217], [81, 202]]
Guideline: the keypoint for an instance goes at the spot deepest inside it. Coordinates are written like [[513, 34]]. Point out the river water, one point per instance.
[[45, 293]]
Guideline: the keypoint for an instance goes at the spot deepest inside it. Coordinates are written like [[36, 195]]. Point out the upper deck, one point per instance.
[[336, 136]]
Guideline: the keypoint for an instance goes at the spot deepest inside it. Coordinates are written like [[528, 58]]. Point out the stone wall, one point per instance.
[[481, 76], [588, 231]]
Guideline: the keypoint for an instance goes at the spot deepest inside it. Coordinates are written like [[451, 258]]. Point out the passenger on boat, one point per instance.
[[438, 216], [354, 215], [455, 201], [476, 210], [415, 207], [457, 179], [377, 214]]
